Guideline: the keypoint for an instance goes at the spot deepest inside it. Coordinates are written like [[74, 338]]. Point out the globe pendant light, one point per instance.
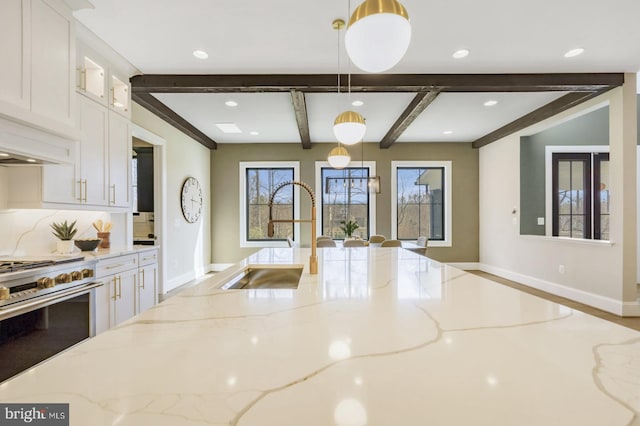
[[378, 35], [339, 158], [349, 127]]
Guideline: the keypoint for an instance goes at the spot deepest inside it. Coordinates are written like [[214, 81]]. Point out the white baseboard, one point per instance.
[[217, 267], [465, 266], [608, 304]]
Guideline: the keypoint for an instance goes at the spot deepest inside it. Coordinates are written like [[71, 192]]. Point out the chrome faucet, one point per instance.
[[313, 259]]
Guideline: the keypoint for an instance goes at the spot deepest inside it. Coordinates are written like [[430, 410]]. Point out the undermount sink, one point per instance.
[[254, 278]]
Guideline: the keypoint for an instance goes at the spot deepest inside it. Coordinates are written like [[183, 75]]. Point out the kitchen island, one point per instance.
[[381, 336]]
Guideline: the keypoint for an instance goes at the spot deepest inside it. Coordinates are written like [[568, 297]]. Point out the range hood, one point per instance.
[[23, 145]]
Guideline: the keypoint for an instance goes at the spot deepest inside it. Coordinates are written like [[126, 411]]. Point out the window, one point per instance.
[[258, 180], [345, 196], [421, 201], [580, 195]]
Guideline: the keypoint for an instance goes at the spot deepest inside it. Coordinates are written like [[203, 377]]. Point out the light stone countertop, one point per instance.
[[115, 251], [381, 336]]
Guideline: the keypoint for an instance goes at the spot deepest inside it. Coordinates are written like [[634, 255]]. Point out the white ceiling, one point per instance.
[[295, 36]]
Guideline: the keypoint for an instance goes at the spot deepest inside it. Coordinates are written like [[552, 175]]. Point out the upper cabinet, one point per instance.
[[37, 40], [98, 81]]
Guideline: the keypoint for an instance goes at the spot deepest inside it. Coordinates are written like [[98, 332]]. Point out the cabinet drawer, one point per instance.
[[148, 257], [116, 265]]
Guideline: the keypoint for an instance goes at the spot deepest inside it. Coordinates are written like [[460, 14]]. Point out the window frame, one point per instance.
[[549, 195], [371, 166], [243, 166], [447, 207]]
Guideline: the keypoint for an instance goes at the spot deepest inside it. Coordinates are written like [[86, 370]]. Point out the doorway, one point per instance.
[[146, 223]]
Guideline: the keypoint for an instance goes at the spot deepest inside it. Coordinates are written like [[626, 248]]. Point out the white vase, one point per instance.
[[65, 247]]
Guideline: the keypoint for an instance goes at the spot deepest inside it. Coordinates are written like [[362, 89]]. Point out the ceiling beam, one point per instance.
[[300, 108], [419, 103], [161, 110], [326, 83], [549, 110]]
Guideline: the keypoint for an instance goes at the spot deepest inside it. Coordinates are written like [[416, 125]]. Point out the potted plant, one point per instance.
[[65, 233], [349, 227]]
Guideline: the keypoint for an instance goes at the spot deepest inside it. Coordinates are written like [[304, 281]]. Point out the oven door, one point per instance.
[[32, 332]]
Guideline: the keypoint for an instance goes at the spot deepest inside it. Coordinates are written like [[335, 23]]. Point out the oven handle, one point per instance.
[[22, 308]]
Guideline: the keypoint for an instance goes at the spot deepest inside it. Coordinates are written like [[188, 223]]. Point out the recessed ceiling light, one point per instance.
[[228, 127], [30, 160], [459, 54], [447, 132], [254, 133], [574, 52], [200, 54], [3, 154], [357, 103], [231, 103], [491, 102]]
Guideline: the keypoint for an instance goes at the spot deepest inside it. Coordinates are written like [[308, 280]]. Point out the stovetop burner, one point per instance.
[[19, 265]]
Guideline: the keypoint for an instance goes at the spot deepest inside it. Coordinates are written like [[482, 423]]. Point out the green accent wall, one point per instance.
[[225, 232], [588, 129]]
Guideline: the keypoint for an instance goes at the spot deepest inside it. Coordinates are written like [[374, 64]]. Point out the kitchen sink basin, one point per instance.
[[255, 278]]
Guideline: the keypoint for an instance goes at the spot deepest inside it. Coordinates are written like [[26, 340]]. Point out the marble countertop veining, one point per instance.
[[381, 336]]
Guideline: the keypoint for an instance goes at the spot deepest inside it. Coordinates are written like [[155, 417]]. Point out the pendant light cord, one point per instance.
[[349, 59]]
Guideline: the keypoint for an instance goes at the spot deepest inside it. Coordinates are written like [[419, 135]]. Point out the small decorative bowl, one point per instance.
[[89, 244]]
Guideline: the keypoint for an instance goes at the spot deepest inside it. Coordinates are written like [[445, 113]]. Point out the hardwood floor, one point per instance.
[[633, 323]]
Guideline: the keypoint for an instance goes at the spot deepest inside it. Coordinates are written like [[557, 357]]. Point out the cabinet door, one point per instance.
[[91, 77], [147, 289], [62, 183], [119, 161], [125, 304], [14, 40], [52, 62], [93, 152], [105, 304]]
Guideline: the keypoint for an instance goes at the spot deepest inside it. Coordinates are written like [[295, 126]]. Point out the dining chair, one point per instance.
[[377, 239], [290, 242], [391, 243], [323, 237], [353, 243], [422, 241], [325, 243]]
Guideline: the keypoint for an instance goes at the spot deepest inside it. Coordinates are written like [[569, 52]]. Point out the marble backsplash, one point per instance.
[[28, 232]]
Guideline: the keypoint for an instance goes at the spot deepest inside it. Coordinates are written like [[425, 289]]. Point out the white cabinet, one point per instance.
[[37, 41], [148, 287], [119, 184], [99, 81], [130, 287], [116, 301], [101, 176], [15, 46]]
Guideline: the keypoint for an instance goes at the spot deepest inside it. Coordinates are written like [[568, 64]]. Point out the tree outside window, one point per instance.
[[345, 197], [420, 203], [260, 183]]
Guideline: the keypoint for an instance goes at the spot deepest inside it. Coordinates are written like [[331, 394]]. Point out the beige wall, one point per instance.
[[225, 225], [188, 246]]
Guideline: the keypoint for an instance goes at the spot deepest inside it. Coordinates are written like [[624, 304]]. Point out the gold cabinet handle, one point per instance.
[[115, 294], [80, 190], [119, 287], [81, 78], [85, 191], [113, 189], [142, 279]]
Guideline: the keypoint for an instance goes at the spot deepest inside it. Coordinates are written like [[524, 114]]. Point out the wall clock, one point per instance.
[[191, 199]]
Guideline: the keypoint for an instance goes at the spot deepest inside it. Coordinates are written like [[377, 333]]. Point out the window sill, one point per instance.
[[263, 244], [569, 241]]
